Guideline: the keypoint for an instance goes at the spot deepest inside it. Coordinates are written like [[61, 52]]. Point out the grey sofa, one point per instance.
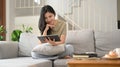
[[9, 57], [13, 54]]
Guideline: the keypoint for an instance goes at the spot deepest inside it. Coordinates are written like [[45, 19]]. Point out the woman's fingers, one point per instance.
[[50, 26], [48, 40]]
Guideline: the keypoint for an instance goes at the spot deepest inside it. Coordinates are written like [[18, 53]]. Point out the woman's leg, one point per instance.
[[68, 51], [38, 56]]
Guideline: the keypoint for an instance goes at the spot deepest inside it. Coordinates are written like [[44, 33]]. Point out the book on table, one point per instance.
[[84, 55], [80, 56]]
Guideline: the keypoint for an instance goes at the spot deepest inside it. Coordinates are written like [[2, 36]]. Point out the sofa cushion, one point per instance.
[[25, 62], [82, 40], [26, 43], [8, 49], [106, 41], [48, 49]]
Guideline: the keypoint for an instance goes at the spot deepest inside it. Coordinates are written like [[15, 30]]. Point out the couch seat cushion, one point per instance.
[[25, 62], [61, 63], [106, 41]]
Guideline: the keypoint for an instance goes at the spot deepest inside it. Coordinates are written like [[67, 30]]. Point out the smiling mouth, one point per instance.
[[51, 23]]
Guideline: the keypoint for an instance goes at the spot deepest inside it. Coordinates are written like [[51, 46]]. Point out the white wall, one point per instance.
[[118, 11], [10, 14], [58, 5], [28, 21], [13, 22], [100, 15]]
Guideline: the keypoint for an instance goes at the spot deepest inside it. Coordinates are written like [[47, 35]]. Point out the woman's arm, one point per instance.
[[47, 28], [62, 41]]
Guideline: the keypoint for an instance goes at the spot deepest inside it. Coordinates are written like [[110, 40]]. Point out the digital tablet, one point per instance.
[[52, 37]]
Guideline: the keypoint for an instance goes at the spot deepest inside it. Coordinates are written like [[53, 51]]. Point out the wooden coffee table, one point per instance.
[[94, 63]]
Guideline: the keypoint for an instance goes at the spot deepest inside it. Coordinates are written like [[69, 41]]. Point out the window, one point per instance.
[[28, 7]]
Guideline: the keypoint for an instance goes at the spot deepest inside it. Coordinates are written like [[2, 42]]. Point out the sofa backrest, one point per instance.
[[8, 49], [82, 40], [106, 41]]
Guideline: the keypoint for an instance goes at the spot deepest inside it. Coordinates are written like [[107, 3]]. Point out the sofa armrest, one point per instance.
[[8, 49]]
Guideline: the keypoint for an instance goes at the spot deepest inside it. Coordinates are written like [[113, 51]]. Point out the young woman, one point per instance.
[[48, 25]]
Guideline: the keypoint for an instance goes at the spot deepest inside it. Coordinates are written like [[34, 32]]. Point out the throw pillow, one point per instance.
[[26, 43], [47, 49], [82, 40]]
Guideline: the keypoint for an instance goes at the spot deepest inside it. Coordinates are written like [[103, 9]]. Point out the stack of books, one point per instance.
[[84, 55]]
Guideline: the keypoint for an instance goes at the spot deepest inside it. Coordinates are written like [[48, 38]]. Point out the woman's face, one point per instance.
[[49, 18]]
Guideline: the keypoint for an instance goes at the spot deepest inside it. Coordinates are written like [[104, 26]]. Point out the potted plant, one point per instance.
[[27, 29], [2, 30], [16, 33]]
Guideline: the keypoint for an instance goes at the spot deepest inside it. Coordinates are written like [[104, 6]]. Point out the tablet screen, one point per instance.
[[52, 37]]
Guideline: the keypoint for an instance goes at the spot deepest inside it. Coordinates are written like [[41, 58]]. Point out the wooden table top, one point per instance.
[[95, 61]]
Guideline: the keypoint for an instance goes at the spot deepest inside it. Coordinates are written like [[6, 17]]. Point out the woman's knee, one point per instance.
[[36, 55], [70, 48]]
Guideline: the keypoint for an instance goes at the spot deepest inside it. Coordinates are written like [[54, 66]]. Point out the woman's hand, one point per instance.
[[49, 26], [39, 42], [52, 42]]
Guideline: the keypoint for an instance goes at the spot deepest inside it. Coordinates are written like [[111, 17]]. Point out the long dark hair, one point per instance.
[[42, 22]]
